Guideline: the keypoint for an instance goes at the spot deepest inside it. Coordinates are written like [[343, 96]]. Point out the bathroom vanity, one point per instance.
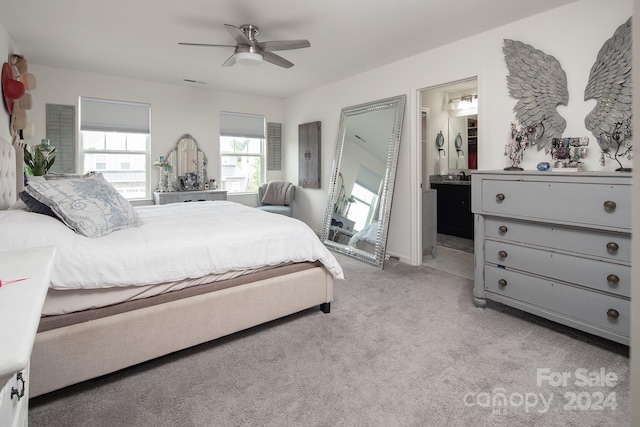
[[454, 214]]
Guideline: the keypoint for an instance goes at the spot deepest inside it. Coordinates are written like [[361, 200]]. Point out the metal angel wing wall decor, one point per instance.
[[610, 85], [540, 84]]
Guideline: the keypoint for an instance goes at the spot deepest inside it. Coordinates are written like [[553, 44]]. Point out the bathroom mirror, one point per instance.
[[362, 179], [187, 170], [463, 142]]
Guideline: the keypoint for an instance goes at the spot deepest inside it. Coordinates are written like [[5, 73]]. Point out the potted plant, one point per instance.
[[39, 158]]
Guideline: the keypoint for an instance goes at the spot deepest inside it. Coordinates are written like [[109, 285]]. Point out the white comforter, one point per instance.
[[177, 241]]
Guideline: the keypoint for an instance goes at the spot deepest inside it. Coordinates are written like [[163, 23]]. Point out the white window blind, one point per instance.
[[369, 179], [241, 125], [114, 116]]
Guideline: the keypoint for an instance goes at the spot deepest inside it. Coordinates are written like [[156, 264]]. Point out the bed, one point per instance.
[[365, 239], [187, 274]]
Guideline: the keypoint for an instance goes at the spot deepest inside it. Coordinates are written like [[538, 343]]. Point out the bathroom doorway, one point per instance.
[[449, 140]]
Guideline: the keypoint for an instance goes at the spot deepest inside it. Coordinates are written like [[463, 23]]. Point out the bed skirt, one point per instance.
[[71, 354]]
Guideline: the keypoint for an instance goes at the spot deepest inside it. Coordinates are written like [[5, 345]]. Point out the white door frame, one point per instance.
[[415, 103]]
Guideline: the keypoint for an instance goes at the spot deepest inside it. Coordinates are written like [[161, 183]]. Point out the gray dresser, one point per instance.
[[557, 245], [188, 196]]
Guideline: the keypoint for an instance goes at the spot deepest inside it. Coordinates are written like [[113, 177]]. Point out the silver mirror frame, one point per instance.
[[377, 258], [201, 166]]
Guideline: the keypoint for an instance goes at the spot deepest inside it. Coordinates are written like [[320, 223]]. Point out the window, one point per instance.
[[242, 146], [364, 198], [115, 140]]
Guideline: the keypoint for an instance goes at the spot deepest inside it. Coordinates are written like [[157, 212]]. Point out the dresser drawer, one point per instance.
[[579, 304], [558, 202], [13, 411], [600, 275], [576, 240]]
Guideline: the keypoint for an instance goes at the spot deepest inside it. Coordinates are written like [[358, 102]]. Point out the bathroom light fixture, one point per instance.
[[465, 102], [248, 58]]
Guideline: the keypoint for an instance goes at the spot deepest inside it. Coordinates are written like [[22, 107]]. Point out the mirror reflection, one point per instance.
[[358, 208], [463, 142], [449, 109], [187, 170]]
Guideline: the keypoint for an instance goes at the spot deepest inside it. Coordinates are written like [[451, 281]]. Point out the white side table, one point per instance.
[[20, 308]]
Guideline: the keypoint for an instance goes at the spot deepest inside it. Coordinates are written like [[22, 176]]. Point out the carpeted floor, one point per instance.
[[401, 347]]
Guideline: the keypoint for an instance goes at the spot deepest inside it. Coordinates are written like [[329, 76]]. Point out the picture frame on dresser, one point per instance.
[[556, 245]]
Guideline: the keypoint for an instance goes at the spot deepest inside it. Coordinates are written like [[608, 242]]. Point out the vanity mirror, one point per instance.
[[362, 178], [187, 170]]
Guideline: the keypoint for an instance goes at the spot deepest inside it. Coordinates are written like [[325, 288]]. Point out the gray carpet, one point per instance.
[[401, 347]]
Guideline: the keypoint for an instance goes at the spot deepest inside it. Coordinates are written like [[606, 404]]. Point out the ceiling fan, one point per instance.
[[251, 51]]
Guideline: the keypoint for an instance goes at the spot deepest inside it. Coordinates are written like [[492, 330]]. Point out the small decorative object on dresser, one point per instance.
[[543, 166], [519, 141], [163, 181], [567, 153], [617, 144], [556, 245]]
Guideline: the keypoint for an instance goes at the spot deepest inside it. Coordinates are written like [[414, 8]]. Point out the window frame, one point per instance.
[[115, 117], [146, 153], [260, 156], [243, 126]]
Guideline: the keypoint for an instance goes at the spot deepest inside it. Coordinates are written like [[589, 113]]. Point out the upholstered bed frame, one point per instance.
[[77, 352]]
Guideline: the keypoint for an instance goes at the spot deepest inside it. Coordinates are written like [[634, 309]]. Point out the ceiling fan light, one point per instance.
[[248, 58]]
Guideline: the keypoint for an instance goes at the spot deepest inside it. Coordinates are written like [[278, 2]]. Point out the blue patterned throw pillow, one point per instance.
[[90, 205]]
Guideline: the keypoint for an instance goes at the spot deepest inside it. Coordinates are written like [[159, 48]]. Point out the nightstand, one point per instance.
[[25, 280]]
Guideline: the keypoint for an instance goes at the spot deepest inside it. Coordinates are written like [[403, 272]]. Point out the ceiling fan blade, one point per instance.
[[205, 44], [283, 45], [230, 61], [238, 34], [276, 60]]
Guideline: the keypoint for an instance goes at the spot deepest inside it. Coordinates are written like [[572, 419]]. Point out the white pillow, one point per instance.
[[90, 206]]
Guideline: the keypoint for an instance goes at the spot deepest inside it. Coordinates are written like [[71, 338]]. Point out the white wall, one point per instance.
[[175, 109], [573, 34]]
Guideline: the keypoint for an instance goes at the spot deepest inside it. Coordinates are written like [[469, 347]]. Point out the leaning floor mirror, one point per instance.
[[356, 219]]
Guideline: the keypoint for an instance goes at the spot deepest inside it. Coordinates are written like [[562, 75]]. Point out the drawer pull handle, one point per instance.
[[503, 229], [609, 206], [612, 247], [14, 391], [613, 314], [502, 283], [613, 279], [502, 254], [500, 197]]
